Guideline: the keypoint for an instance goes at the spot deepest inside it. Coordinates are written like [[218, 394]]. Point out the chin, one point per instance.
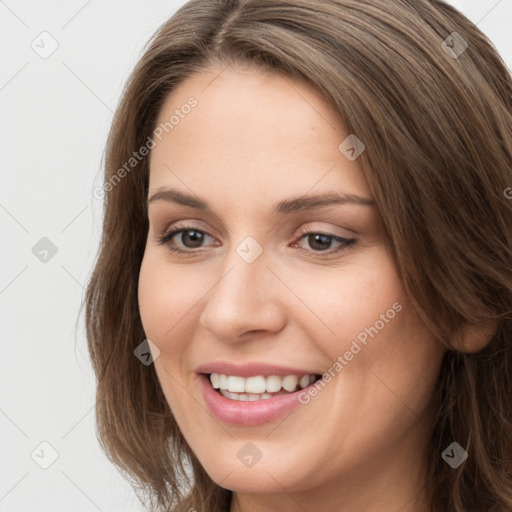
[[250, 482], [261, 478]]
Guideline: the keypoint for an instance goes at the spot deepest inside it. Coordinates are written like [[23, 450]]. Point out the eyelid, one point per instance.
[[190, 224], [182, 226]]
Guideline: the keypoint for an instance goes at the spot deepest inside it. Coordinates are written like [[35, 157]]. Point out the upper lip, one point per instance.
[[251, 369]]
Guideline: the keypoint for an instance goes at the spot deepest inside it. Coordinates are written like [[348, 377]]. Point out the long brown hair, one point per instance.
[[435, 116]]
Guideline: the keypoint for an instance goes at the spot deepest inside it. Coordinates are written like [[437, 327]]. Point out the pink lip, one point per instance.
[[252, 369], [247, 413]]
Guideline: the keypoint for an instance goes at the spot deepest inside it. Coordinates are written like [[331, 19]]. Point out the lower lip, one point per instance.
[[244, 413]]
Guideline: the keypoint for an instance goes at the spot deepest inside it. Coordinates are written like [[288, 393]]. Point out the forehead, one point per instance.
[[253, 135]]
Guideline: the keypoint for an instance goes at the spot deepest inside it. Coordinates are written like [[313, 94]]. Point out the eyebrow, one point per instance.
[[286, 206]]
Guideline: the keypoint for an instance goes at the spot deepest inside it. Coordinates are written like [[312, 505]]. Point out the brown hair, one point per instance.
[[437, 127]]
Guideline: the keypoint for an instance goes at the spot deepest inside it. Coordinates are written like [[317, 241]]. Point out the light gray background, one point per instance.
[[55, 115]]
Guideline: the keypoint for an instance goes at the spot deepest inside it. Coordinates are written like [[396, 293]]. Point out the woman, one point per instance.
[[302, 299]]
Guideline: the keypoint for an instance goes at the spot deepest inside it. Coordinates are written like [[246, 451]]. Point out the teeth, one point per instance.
[[255, 384], [259, 385], [223, 381], [304, 381], [236, 384], [274, 383], [245, 397], [214, 379], [290, 383]]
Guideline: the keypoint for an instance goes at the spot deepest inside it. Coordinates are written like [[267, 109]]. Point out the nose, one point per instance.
[[244, 301]]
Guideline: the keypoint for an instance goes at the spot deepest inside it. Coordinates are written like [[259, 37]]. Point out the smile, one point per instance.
[[259, 387], [246, 409]]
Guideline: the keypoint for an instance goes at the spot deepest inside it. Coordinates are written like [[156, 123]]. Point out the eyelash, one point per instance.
[[165, 238]]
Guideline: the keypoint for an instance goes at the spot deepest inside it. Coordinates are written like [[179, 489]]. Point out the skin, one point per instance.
[[255, 139]]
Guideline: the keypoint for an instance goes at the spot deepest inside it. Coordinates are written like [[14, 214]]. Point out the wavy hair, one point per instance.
[[436, 119]]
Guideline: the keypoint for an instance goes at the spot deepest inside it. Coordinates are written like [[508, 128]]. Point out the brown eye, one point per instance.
[[189, 238], [321, 242], [192, 238]]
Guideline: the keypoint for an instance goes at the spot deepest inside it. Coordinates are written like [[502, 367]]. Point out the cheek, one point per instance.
[[165, 297], [347, 300], [378, 348], [166, 300]]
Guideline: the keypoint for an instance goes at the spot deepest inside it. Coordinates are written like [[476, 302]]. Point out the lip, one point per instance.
[[252, 369], [247, 414]]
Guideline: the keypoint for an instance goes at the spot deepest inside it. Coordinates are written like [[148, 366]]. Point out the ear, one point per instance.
[[472, 338]]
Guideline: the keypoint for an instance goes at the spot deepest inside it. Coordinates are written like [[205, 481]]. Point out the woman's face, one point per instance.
[[253, 287]]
